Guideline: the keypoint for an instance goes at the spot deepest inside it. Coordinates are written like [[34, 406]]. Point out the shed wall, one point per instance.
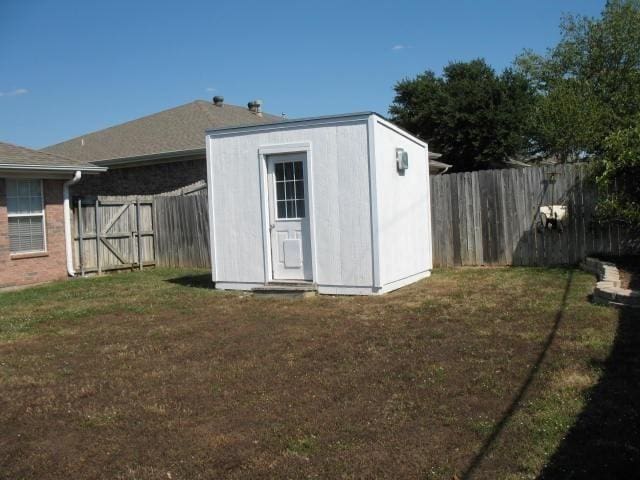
[[339, 176], [404, 223]]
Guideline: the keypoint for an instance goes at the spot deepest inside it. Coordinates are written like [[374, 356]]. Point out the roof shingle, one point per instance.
[[177, 129], [15, 155]]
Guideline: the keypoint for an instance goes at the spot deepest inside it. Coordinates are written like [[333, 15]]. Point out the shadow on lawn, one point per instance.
[[197, 281], [515, 404], [605, 440]]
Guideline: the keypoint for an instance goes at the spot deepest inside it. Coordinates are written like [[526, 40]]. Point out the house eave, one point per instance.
[[139, 160], [12, 168]]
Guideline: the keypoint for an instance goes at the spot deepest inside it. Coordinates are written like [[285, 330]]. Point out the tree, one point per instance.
[[566, 122], [616, 174], [589, 83], [470, 115]]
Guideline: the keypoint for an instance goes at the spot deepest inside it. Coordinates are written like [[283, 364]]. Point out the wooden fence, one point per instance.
[[478, 218], [174, 230], [182, 231], [493, 218], [112, 234]]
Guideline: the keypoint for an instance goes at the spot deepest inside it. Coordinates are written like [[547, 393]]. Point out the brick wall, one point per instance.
[[145, 180], [26, 269]]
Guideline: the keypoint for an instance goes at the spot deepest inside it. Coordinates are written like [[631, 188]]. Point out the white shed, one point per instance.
[[340, 203]]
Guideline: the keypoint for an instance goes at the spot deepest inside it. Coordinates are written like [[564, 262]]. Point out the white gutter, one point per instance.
[[67, 221], [172, 155], [51, 168]]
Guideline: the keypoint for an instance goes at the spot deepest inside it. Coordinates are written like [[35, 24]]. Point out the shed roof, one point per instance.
[[312, 121], [174, 130], [15, 157], [292, 121]]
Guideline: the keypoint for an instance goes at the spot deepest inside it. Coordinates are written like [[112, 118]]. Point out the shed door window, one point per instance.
[[290, 190], [25, 210]]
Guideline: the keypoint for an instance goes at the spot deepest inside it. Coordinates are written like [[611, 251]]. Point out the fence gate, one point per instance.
[[113, 234]]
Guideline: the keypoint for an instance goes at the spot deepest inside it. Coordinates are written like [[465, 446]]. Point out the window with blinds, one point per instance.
[[25, 210]]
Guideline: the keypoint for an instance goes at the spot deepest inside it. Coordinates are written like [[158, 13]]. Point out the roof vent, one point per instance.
[[218, 100], [256, 107]]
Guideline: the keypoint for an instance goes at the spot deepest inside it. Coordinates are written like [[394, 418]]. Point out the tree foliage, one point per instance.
[[589, 86], [617, 173], [471, 115], [589, 83]]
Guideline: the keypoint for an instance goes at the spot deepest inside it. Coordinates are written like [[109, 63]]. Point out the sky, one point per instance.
[[69, 67]]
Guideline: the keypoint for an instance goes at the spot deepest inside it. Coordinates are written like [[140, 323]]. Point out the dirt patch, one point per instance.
[[630, 273], [152, 375]]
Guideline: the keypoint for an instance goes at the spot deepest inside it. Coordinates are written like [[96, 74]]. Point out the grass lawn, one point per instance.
[[478, 373]]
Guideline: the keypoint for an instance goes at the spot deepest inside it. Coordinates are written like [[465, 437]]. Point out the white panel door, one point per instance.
[[289, 217]]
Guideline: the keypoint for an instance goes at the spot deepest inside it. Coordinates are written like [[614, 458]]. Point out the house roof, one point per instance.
[[167, 132], [437, 165], [14, 157]]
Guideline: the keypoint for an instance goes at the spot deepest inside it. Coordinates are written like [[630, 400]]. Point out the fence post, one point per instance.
[[140, 252], [154, 230], [80, 237], [98, 236]]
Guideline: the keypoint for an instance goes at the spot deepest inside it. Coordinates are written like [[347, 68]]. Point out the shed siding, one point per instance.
[[341, 203], [403, 209]]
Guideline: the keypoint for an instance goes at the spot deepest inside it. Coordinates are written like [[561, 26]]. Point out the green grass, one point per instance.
[[473, 368], [41, 308]]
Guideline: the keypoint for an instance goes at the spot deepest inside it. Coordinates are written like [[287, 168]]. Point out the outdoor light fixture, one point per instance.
[[402, 160]]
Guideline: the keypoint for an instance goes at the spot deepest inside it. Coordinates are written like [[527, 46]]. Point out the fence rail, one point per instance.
[[493, 218]]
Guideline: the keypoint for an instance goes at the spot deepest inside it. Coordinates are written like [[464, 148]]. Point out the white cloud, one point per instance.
[[399, 46], [210, 89], [14, 93]]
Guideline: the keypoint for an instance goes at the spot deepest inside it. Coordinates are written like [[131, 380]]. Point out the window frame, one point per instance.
[[294, 181], [42, 215]]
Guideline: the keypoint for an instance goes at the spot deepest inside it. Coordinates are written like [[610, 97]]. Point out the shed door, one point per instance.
[[289, 217]]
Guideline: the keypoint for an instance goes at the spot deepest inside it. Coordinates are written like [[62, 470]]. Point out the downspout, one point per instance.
[[67, 221]]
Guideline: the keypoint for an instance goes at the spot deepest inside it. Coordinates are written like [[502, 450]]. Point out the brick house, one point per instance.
[[158, 153], [33, 223]]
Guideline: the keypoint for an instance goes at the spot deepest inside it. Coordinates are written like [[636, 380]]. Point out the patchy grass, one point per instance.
[[480, 373], [302, 446]]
